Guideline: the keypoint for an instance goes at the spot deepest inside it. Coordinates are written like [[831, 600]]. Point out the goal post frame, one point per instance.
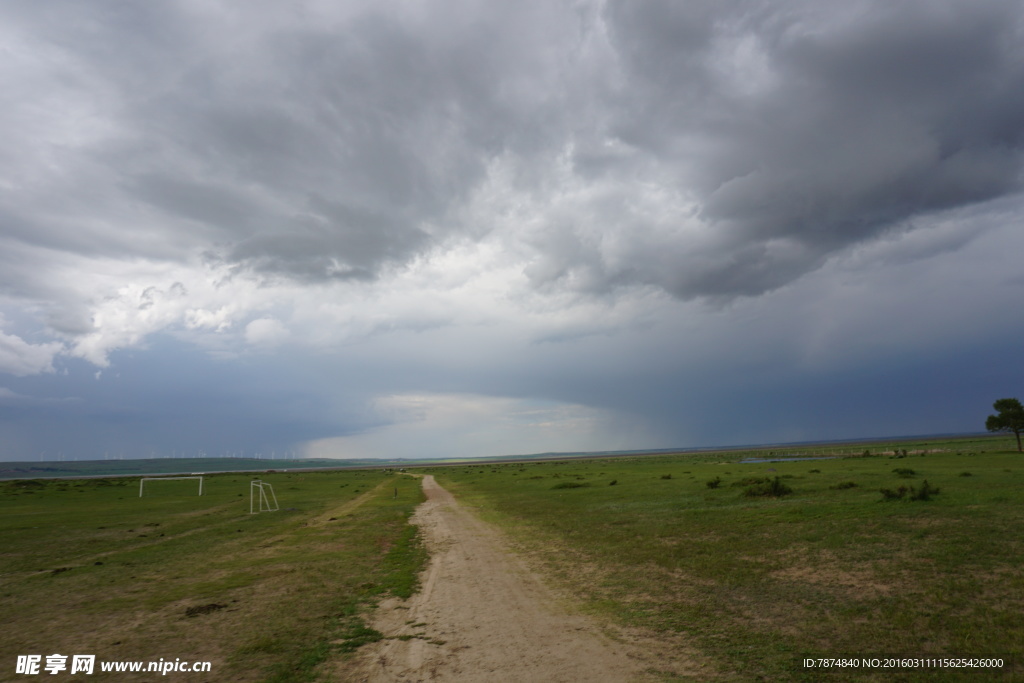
[[143, 480], [264, 503]]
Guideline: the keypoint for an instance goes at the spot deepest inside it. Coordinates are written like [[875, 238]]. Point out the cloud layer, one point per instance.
[[469, 187]]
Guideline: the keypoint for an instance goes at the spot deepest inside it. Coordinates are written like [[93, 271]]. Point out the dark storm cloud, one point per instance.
[[715, 149], [352, 138], [440, 184], [185, 403], [818, 125], [326, 152]]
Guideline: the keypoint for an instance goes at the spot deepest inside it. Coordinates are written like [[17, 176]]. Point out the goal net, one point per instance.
[[261, 497]]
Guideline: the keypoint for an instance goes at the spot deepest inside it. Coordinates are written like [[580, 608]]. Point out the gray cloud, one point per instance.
[[812, 128], [436, 187], [320, 146]]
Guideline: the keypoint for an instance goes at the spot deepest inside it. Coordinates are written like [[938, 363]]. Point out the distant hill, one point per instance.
[[145, 467], [123, 468]]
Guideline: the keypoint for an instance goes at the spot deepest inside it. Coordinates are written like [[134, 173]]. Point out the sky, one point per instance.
[[454, 228]]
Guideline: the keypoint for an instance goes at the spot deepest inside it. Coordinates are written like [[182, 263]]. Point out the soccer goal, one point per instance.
[[259, 500], [143, 480]]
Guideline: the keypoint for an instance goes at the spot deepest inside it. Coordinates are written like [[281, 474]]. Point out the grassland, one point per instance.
[[674, 546], [671, 546], [88, 567]]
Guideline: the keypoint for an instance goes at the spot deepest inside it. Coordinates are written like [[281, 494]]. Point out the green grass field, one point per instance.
[[754, 584], [88, 567], [670, 546]]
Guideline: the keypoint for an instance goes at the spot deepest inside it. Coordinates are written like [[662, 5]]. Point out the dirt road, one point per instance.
[[482, 615]]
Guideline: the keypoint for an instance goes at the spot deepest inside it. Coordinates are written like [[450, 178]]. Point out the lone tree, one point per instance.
[[1010, 418]]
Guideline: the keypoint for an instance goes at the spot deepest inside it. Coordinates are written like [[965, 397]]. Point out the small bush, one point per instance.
[[904, 471], [570, 485], [814, 472], [773, 488], [924, 493], [666, 476], [713, 483], [965, 474], [910, 493], [889, 494], [613, 482], [844, 485]]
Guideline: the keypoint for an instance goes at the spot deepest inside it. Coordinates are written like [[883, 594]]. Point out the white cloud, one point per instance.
[[20, 358], [470, 425], [266, 332]]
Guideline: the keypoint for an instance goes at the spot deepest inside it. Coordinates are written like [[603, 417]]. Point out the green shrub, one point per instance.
[[924, 493], [713, 483], [772, 488], [910, 493], [889, 494], [570, 485], [751, 481], [844, 485], [666, 476], [904, 471]]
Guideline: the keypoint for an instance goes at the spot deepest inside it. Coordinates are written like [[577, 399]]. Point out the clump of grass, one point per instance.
[[265, 644], [898, 494], [910, 493], [965, 474], [613, 482], [751, 481], [814, 471], [666, 476], [403, 563], [904, 471], [925, 492], [570, 485], [197, 610], [356, 635], [773, 488], [713, 483], [844, 485]]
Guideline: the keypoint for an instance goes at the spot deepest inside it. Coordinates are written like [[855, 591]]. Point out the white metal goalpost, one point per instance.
[[264, 503], [143, 480]]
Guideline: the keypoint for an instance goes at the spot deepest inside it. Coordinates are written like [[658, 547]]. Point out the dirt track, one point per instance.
[[482, 615]]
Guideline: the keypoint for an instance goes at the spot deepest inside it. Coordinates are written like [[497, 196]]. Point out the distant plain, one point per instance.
[[671, 547]]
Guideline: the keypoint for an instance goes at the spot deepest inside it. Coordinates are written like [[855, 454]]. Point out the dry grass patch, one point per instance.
[[844, 582]]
